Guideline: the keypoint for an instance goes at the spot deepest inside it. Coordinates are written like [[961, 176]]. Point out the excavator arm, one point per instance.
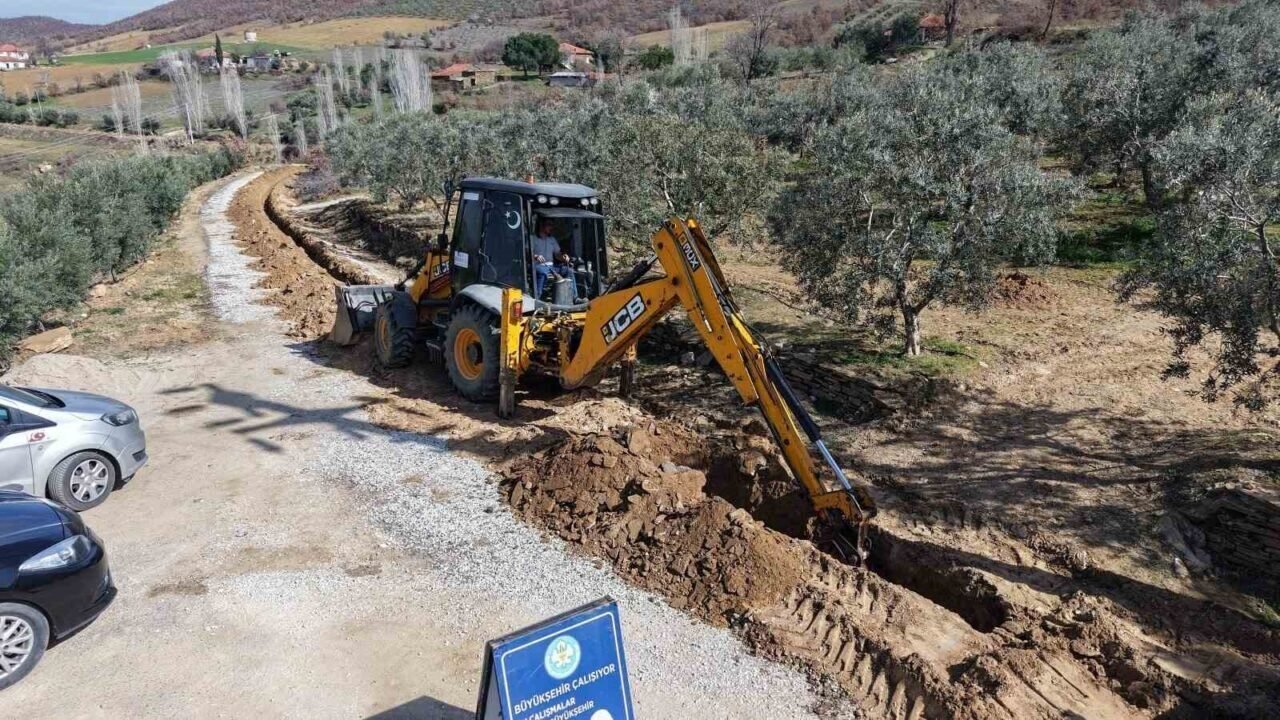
[[616, 320]]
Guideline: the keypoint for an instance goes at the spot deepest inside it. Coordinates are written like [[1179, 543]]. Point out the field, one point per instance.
[[24, 149], [333, 33], [157, 99], [131, 40], [144, 55], [65, 75], [718, 34], [129, 47]]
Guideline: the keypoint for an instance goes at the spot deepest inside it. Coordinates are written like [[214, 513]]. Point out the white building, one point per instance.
[[13, 57], [250, 36]]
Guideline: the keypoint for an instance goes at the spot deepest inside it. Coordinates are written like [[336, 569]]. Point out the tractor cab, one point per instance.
[[493, 234]]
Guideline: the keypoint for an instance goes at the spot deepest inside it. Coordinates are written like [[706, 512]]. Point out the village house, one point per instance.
[[932, 28], [576, 58], [460, 76], [13, 57], [258, 62], [207, 59]]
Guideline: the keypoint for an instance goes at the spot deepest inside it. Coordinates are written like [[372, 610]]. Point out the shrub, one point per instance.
[[62, 232]]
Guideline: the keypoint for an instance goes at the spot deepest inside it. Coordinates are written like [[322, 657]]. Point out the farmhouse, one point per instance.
[[459, 76], [574, 57], [258, 62], [13, 57], [932, 27], [208, 59]]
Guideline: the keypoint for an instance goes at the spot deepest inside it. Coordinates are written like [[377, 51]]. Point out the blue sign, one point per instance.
[[570, 667]]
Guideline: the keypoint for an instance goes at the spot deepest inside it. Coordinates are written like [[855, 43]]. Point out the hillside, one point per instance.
[[30, 28], [186, 19]]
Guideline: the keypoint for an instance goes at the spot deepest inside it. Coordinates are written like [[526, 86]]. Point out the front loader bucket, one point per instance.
[[357, 305]]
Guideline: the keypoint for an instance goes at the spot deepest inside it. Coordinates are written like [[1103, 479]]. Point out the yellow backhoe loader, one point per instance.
[[474, 302]]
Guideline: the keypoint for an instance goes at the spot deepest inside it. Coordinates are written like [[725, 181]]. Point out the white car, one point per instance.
[[72, 447]]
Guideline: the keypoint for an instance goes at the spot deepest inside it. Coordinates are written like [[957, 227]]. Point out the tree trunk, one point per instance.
[[1048, 23], [911, 330], [1149, 191], [951, 19]]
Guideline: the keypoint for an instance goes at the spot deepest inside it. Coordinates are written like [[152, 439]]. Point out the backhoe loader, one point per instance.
[[470, 303]]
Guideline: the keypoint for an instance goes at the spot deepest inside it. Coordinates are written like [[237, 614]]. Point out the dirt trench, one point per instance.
[[915, 635]]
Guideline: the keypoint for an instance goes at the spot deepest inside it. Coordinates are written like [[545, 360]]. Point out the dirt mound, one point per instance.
[[625, 496], [1018, 290]]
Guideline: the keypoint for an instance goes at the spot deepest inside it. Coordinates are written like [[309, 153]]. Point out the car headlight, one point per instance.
[[122, 417], [55, 557]]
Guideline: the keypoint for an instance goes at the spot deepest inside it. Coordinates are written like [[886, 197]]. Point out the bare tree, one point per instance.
[[273, 133], [951, 18], [233, 99], [750, 50], [1048, 22], [681, 38]]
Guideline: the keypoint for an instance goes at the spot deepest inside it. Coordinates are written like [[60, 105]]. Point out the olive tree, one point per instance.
[[916, 197], [1126, 90], [408, 158], [1020, 80], [1213, 265]]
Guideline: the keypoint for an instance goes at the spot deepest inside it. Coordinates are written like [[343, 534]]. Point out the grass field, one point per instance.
[[718, 33], [144, 55]]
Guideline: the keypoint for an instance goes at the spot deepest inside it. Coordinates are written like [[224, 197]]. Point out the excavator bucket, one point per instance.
[[356, 309]]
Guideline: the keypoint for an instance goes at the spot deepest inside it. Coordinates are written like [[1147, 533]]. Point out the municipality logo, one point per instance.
[[562, 657]]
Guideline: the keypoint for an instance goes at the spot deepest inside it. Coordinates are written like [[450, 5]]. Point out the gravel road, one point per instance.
[[284, 557]]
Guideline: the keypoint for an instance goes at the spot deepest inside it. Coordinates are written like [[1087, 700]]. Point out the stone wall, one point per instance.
[[1241, 529]]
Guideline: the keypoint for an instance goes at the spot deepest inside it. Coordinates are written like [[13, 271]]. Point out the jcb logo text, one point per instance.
[[622, 319]]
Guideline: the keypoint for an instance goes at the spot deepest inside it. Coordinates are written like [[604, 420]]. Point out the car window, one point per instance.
[[9, 392], [5, 415]]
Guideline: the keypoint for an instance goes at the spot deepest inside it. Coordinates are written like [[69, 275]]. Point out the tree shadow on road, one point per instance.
[[424, 708], [1099, 476]]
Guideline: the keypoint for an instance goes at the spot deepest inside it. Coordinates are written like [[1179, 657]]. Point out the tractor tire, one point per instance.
[[472, 355], [392, 342]]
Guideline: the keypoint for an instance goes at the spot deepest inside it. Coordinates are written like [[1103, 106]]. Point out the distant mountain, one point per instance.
[[25, 31]]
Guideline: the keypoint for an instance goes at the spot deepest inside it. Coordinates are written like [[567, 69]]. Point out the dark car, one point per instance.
[[54, 580]]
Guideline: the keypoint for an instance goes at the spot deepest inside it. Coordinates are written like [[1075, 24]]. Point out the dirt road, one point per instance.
[[282, 556]]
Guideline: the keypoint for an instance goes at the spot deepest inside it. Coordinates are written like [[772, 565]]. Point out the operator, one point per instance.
[[548, 260]]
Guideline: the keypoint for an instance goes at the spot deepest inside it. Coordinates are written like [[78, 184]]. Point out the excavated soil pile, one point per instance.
[[1021, 291], [623, 496]]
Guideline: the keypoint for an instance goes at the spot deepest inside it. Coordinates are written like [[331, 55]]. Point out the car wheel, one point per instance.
[[24, 635], [82, 481]]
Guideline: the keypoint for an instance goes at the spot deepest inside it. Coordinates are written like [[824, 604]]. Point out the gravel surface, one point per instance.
[[229, 275]]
